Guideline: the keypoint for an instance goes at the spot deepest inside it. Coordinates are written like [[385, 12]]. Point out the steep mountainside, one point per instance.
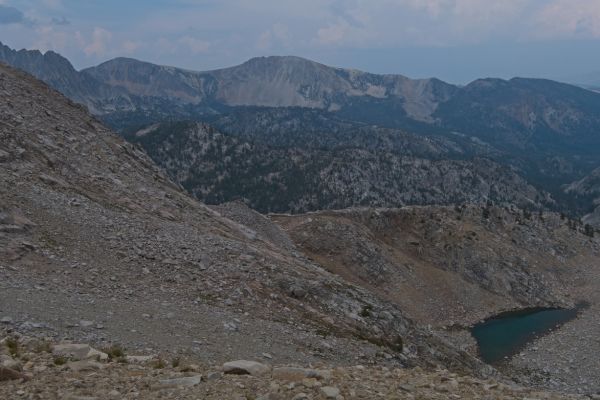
[[91, 230], [391, 170]]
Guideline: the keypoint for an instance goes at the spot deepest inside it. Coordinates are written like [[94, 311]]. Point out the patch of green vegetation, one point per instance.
[[13, 347], [60, 360], [116, 353], [160, 364]]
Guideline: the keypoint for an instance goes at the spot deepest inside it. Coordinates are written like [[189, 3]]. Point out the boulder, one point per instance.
[[139, 359], [85, 365], [9, 374], [243, 367], [9, 362], [78, 351]]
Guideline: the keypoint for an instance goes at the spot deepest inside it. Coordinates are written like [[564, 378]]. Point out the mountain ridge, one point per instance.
[[546, 130]]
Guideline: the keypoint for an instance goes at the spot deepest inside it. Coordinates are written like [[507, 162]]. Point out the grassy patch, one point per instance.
[[13, 347], [60, 360], [116, 353]]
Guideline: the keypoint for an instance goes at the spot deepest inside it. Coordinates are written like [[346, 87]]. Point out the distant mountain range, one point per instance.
[[547, 132], [519, 113]]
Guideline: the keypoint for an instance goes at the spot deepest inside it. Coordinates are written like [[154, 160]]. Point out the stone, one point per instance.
[[85, 365], [6, 320], [297, 292], [244, 367], [407, 388], [230, 326], [187, 381], [9, 362], [214, 376], [8, 374], [78, 351], [330, 392], [310, 383], [85, 324], [139, 359]]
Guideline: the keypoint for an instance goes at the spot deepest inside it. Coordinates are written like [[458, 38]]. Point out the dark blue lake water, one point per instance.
[[507, 334]]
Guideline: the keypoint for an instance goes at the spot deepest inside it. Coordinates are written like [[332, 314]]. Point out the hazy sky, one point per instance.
[[455, 40]]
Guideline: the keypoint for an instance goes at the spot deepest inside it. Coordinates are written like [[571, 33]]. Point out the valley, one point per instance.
[[330, 233]]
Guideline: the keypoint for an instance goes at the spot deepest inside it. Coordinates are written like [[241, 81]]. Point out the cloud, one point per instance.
[[195, 45], [48, 38], [334, 33], [572, 18], [277, 35], [199, 33], [182, 45], [60, 21], [130, 47], [98, 45], [11, 15], [54, 4]]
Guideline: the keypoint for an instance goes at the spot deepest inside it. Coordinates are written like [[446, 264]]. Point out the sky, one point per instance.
[[454, 40]]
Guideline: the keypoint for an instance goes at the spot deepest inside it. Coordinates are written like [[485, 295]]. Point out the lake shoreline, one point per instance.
[[502, 336]]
